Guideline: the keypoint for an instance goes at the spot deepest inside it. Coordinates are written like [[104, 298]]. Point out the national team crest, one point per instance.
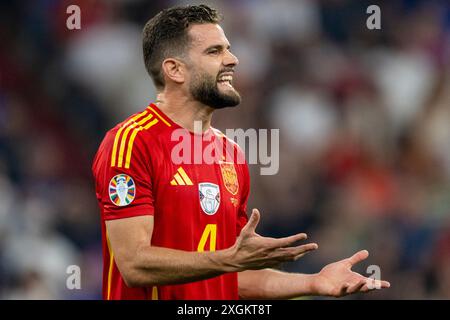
[[122, 190], [229, 176], [209, 194]]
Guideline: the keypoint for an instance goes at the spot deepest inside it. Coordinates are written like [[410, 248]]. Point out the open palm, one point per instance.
[[337, 279]]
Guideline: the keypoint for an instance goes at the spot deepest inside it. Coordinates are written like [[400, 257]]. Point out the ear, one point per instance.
[[174, 70]]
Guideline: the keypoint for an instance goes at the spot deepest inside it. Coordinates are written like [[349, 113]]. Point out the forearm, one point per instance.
[[161, 266], [274, 284]]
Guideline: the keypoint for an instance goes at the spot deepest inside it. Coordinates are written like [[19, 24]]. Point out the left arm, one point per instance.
[[336, 280], [273, 284]]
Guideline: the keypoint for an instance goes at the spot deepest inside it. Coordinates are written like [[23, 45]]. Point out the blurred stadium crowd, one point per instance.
[[364, 119]]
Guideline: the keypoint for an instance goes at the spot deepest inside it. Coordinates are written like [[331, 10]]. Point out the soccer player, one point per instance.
[[180, 231]]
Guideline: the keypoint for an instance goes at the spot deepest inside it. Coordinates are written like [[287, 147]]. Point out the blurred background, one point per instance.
[[364, 119]]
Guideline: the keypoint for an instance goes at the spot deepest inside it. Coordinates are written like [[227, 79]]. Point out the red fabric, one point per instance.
[[179, 220]]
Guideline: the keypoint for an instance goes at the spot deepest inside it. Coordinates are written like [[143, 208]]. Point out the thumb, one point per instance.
[[252, 222], [358, 257]]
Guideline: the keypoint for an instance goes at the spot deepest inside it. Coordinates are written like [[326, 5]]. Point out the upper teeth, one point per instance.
[[226, 78]]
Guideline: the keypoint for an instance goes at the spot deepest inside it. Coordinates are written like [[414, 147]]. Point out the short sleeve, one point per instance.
[[122, 174]]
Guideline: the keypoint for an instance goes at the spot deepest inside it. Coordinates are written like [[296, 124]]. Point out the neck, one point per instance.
[[184, 111]]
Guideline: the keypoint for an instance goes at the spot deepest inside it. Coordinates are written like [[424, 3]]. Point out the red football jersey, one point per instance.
[[196, 207]]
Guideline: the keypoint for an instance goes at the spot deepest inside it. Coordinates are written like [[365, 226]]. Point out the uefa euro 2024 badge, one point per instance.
[[122, 190], [209, 194]]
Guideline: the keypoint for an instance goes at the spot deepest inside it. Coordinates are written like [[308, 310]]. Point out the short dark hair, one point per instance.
[[166, 35]]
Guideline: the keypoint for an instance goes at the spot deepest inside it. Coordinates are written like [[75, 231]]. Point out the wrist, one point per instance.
[[311, 284], [225, 260]]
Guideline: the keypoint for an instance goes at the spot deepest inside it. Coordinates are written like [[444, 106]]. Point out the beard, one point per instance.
[[204, 88]]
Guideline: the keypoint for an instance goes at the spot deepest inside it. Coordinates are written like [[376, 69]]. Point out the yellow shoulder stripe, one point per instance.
[[133, 136], [122, 151], [118, 134], [159, 116], [125, 136]]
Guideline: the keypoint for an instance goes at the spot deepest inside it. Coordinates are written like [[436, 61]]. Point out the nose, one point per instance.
[[230, 59]]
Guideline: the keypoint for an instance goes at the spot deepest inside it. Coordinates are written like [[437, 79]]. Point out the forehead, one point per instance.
[[205, 35]]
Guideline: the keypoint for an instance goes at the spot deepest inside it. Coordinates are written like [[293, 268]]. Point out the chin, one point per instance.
[[228, 90]]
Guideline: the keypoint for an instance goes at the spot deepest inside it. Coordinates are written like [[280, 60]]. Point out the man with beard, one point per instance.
[[180, 231]]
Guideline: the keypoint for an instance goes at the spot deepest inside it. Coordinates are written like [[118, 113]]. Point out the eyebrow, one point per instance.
[[217, 46]]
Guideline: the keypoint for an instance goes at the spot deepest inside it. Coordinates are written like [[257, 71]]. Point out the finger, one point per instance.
[[372, 284], [304, 249], [293, 253], [287, 241], [358, 257], [344, 288], [252, 222], [357, 286]]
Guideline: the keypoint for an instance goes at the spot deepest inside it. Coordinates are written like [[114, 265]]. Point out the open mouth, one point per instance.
[[226, 79]]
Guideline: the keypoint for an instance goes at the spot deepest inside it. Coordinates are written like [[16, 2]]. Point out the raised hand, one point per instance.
[[252, 251], [337, 279]]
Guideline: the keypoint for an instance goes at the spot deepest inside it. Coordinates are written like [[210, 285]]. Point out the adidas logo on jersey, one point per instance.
[[181, 178]]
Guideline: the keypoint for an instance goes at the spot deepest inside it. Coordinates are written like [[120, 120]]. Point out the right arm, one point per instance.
[[141, 264]]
